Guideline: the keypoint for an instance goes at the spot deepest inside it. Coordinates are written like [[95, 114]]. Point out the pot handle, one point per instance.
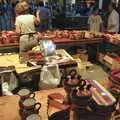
[[32, 95], [37, 106]]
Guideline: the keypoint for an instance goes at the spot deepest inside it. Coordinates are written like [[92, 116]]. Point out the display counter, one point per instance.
[[113, 39], [13, 60], [9, 39], [9, 105], [10, 109], [15, 46]]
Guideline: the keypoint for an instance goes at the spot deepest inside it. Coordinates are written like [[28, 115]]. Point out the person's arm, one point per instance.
[[17, 27], [111, 26], [37, 18]]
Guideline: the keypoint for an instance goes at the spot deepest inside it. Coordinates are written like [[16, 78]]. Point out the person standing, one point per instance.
[[113, 20], [95, 22], [43, 13], [25, 27]]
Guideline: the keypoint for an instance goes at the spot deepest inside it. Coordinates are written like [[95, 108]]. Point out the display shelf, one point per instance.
[[6, 48], [78, 42], [9, 45], [108, 62], [61, 42], [6, 103], [13, 60], [113, 43], [70, 62]]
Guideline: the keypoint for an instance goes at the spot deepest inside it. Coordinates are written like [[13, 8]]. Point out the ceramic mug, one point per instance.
[[26, 93], [29, 106], [33, 117], [30, 103], [24, 113]]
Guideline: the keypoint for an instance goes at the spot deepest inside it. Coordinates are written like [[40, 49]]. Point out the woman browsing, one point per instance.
[[25, 27]]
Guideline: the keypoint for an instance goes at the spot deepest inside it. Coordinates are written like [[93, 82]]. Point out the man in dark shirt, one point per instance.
[[44, 16]]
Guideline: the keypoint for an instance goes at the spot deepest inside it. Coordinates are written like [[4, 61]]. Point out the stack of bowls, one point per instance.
[[29, 108]]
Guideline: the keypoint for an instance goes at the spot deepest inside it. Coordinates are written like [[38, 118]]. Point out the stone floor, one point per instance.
[[96, 73], [93, 72]]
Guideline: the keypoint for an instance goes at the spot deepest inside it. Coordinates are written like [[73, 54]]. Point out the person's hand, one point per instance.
[[37, 12], [110, 27]]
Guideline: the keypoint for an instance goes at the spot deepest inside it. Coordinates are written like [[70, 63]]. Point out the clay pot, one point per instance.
[[33, 117], [25, 94], [80, 100], [28, 107]]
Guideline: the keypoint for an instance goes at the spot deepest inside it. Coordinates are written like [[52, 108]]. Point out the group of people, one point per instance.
[[7, 13], [26, 23], [96, 23]]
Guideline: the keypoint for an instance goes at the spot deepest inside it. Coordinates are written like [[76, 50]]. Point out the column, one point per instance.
[[100, 4], [73, 1]]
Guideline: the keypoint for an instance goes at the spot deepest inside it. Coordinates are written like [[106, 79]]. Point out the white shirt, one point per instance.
[[113, 19], [26, 23], [94, 21]]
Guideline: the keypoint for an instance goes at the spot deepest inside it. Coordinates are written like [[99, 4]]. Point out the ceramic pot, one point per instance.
[[28, 107], [80, 100], [33, 117], [25, 93], [69, 87]]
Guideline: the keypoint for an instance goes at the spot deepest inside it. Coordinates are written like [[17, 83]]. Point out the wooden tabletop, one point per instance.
[[59, 43], [13, 60], [9, 108]]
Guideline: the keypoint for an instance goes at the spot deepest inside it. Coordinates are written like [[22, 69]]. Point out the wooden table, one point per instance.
[[9, 108], [13, 60], [78, 42], [59, 43]]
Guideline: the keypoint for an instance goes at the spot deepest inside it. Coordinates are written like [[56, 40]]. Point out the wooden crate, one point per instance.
[[108, 61]]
